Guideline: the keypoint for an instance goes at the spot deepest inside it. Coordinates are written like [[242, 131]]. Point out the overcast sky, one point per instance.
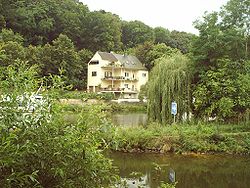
[[171, 14]]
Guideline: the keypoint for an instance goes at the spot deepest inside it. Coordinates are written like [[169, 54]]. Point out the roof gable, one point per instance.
[[108, 56]]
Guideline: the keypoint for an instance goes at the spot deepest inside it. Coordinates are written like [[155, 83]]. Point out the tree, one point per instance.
[[162, 35], [223, 91], [8, 35], [42, 21], [47, 151], [221, 57], [148, 52], [180, 40], [62, 55], [174, 39], [103, 32], [136, 32], [13, 51], [235, 14], [170, 80], [81, 79], [2, 22]]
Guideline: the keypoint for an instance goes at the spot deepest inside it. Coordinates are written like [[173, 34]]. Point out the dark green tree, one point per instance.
[[136, 32], [180, 40], [162, 35], [148, 52], [103, 32], [221, 59], [42, 21], [223, 91]]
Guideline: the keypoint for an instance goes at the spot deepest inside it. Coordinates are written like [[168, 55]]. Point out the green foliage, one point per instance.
[[2, 22], [174, 39], [182, 138], [85, 96], [128, 107], [39, 149], [7, 35], [61, 55], [13, 51], [43, 21], [143, 92], [180, 40], [168, 185], [101, 37], [148, 53], [136, 32], [222, 91], [221, 56], [162, 35], [169, 81]]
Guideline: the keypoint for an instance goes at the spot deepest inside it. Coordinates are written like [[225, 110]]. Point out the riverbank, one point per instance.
[[109, 107], [182, 139], [192, 138]]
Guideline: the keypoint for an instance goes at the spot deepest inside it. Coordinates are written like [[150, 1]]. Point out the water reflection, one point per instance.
[[129, 119], [191, 171]]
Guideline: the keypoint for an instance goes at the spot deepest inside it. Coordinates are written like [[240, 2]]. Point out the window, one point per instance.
[[108, 74], [94, 73], [94, 62], [126, 74], [144, 74], [126, 85]]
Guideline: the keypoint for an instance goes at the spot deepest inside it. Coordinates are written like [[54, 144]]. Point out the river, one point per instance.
[[129, 119], [191, 171]]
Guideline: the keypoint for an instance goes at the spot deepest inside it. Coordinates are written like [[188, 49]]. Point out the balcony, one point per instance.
[[109, 89], [113, 78], [113, 66], [119, 78], [118, 90]]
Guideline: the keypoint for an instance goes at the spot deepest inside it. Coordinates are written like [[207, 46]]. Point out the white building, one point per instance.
[[122, 75]]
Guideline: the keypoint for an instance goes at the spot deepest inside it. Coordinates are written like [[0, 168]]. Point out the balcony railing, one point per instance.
[[125, 90], [113, 66], [119, 78]]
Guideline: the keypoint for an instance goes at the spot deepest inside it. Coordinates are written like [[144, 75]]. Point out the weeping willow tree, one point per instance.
[[170, 80]]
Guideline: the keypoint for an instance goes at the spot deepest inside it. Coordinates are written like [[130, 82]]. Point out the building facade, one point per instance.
[[122, 75]]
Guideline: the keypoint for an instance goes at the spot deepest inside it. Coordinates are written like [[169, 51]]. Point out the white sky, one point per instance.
[[171, 14]]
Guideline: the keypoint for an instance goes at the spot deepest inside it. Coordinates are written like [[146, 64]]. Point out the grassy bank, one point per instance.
[[179, 138], [186, 138], [108, 107]]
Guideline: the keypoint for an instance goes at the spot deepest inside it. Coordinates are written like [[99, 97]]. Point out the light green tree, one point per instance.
[[170, 80]]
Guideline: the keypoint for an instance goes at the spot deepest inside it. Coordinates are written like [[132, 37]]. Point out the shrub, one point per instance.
[[39, 149]]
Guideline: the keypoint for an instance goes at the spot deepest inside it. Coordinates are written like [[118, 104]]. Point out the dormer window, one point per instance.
[[94, 62]]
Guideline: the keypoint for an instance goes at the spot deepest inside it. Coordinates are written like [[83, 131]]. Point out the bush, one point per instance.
[[40, 149]]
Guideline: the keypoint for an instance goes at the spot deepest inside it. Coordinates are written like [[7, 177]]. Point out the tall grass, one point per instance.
[[199, 138]]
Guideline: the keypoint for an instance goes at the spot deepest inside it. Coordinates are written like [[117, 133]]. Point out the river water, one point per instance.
[[129, 119], [192, 171]]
